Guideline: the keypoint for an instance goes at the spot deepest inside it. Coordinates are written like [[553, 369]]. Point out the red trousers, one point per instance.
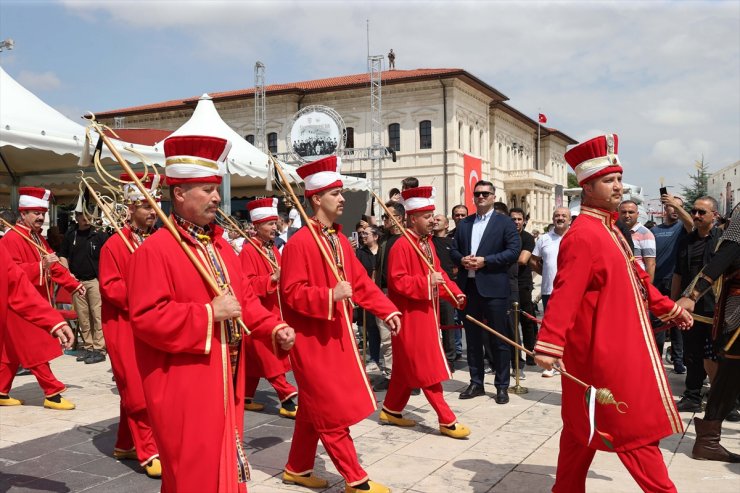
[[398, 396], [284, 389], [338, 445], [46, 379], [645, 464], [135, 432]]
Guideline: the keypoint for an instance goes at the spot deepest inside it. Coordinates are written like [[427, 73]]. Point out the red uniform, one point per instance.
[[418, 357], [597, 321], [262, 362], [134, 428], [23, 344], [20, 297], [193, 379], [335, 392]]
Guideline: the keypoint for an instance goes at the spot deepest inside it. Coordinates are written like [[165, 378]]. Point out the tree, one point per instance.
[[698, 186], [572, 180]]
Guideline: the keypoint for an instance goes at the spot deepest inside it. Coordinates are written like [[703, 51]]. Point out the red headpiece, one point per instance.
[[33, 199], [419, 199], [595, 157], [132, 195], [195, 159], [263, 210], [321, 175]]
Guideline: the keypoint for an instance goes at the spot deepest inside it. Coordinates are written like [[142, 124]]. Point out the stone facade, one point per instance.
[[724, 185], [478, 122]]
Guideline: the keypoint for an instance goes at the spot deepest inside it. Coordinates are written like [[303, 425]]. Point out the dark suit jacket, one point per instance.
[[499, 246]]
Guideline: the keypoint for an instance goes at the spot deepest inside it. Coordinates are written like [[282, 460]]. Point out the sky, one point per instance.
[[663, 75]]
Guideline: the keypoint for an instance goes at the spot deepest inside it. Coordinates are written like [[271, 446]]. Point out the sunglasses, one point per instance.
[[701, 212], [482, 194]]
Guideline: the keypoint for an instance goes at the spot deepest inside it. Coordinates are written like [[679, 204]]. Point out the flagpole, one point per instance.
[[538, 138]]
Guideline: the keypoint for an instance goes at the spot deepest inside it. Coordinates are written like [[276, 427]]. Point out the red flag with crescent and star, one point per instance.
[[543, 118], [472, 175]]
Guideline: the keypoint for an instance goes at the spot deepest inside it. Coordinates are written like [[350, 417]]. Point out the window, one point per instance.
[[350, 138], [470, 141], [249, 138], [394, 136], [272, 142], [425, 134], [480, 142], [459, 135]]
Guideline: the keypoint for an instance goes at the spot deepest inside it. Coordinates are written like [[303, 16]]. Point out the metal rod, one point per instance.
[[107, 215], [244, 235]]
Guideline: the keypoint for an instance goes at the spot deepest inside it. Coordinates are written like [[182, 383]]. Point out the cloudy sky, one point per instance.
[[664, 75]]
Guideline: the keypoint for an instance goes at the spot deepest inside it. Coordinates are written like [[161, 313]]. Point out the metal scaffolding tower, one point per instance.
[[377, 151], [260, 113]]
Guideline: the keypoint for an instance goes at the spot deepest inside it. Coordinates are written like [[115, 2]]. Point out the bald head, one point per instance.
[[561, 220]]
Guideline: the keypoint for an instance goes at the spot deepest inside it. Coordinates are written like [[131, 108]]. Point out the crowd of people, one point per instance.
[[191, 312]]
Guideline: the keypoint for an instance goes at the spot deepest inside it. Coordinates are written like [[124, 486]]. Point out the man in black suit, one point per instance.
[[486, 244]]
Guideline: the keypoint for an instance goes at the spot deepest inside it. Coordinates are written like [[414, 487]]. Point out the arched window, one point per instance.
[[394, 136], [425, 134], [249, 138], [480, 142], [272, 142], [470, 140], [459, 136], [350, 138]]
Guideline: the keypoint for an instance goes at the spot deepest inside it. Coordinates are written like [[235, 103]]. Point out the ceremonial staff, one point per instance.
[[102, 207], [603, 395], [307, 220], [163, 217], [40, 248], [244, 235], [413, 244]]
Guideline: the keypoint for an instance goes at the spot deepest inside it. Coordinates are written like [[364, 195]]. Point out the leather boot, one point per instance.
[[707, 446]]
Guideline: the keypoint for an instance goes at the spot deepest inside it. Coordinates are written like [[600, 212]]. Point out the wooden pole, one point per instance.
[[107, 215], [165, 220], [40, 248], [244, 235], [413, 244]]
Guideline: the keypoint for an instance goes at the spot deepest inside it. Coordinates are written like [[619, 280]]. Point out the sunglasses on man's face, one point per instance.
[[701, 212], [482, 194]]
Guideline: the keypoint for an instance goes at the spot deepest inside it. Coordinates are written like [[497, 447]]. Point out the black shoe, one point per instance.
[[22, 372], [415, 391], [473, 390], [95, 357], [458, 356], [679, 368], [382, 385], [734, 416], [689, 404], [84, 354], [502, 396]]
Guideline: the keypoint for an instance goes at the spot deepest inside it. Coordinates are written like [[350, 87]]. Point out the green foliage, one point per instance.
[[698, 186], [572, 180]]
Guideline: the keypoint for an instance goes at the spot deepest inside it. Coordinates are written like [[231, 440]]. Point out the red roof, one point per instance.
[[143, 136], [319, 85]]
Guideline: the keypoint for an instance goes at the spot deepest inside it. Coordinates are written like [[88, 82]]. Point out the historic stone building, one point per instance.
[[724, 185], [431, 118]]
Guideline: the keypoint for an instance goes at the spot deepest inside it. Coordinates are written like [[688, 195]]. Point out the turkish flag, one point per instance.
[[472, 167], [543, 118]]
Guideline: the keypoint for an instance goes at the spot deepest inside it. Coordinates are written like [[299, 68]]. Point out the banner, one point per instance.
[[472, 176]]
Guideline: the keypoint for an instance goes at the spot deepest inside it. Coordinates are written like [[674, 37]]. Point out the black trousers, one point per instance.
[[726, 385], [529, 328], [694, 341], [447, 318], [493, 312]]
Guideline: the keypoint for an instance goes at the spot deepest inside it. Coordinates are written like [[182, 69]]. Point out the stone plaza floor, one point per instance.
[[512, 448]]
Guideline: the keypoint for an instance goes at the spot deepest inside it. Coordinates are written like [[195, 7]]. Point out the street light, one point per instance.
[[8, 44]]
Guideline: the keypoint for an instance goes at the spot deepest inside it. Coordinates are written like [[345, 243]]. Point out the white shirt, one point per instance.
[[479, 226], [547, 248]]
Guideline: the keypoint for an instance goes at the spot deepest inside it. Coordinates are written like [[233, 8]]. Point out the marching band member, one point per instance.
[[24, 345], [419, 359], [189, 346], [260, 269], [335, 392], [597, 321], [135, 439]]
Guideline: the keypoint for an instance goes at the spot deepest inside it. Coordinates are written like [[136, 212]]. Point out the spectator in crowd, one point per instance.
[[525, 283], [81, 249], [234, 238], [459, 212], [295, 218], [394, 195], [485, 246], [410, 182], [695, 250], [535, 234], [392, 234], [442, 245], [544, 258], [367, 253], [677, 223], [9, 217], [285, 230], [642, 239]]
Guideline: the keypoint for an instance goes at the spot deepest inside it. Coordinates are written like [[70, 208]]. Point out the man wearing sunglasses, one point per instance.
[[486, 244], [695, 250]]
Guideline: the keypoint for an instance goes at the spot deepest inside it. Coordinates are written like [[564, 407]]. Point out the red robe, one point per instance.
[[119, 338], [335, 392], [418, 357], [262, 362], [18, 296], [598, 322], [24, 344], [194, 404]]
